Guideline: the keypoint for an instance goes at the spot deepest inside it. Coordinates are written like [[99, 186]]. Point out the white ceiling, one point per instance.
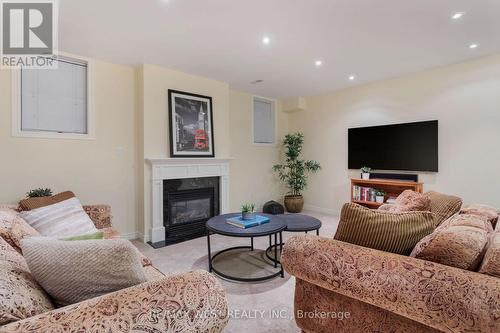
[[222, 39]]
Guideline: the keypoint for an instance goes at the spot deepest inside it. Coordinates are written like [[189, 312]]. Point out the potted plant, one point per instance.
[[294, 172], [39, 192], [379, 196], [365, 173], [247, 211]]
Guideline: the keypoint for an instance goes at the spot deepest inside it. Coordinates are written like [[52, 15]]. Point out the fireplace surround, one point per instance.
[[175, 169]]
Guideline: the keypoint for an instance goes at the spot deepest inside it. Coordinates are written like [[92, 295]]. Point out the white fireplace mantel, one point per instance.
[[178, 168]]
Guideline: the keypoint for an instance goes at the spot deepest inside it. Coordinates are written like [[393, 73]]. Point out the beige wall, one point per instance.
[[156, 82], [465, 98], [98, 171], [252, 179], [132, 124]]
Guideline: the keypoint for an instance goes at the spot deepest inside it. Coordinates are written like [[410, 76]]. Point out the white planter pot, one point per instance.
[[247, 216], [379, 199], [365, 176]]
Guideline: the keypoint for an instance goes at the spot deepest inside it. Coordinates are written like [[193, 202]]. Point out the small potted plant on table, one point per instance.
[[379, 196], [294, 172], [247, 211], [365, 173]]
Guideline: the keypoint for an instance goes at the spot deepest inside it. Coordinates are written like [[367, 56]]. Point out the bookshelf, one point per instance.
[[392, 188]]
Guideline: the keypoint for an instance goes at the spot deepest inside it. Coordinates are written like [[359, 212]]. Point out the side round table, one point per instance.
[[294, 223], [274, 228]]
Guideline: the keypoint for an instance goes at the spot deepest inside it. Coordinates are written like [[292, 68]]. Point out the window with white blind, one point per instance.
[[264, 121], [54, 102]]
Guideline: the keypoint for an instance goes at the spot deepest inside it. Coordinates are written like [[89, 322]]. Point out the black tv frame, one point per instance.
[[435, 162]]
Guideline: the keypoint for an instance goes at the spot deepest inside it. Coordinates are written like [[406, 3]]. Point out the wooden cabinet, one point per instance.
[[392, 189]]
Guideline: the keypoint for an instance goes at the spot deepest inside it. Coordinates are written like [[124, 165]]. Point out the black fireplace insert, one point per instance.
[[187, 206]]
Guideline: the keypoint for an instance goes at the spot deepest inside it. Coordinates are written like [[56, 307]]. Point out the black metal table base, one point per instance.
[[281, 273], [275, 246]]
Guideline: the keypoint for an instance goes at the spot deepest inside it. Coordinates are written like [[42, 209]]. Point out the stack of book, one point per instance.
[[361, 193], [238, 221]]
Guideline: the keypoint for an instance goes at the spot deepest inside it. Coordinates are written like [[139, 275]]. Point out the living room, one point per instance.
[[164, 105]]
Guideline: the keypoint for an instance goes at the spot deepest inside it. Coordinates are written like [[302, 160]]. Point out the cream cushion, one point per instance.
[[20, 295], [64, 219], [73, 271]]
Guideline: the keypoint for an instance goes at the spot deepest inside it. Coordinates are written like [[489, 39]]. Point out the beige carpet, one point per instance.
[[254, 307]]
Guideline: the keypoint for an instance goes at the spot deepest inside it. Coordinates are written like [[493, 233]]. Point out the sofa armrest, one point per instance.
[[445, 298], [190, 302], [100, 215]]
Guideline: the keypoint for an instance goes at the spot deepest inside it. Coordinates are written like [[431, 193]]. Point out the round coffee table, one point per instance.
[[294, 223], [218, 225]]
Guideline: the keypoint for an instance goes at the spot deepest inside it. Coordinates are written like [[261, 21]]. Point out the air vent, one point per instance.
[[257, 81]]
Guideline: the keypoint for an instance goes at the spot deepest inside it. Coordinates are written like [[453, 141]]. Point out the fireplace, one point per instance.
[[187, 205]]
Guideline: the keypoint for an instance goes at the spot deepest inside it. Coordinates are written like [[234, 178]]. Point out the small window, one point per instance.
[[264, 121], [54, 102]]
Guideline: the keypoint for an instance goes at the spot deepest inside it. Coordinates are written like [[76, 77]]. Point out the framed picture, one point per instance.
[[191, 125]]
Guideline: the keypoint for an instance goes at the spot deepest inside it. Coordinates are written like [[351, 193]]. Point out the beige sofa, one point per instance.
[[190, 302], [341, 287]]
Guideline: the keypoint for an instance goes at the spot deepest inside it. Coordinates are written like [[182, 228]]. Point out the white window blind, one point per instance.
[[263, 121], [55, 100]]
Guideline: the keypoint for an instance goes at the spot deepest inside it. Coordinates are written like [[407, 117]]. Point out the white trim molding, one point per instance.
[[16, 105], [180, 168]]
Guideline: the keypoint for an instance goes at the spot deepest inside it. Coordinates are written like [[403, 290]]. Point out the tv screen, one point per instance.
[[409, 147]]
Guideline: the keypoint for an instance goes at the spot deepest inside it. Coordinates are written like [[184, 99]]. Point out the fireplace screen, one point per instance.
[[187, 206]]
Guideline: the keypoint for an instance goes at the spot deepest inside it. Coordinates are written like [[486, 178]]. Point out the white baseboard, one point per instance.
[[131, 235], [321, 210]]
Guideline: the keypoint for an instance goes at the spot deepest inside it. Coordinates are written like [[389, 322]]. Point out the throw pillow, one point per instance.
[[20, 229], [64, 219], [491, 261], [37, 202], [13, 228], [443, 206], [457, 246], [73, 271], [21, 296], [7, 215], [96, 235], [467, 220], [482, 210], [409, 201], [396, 233]]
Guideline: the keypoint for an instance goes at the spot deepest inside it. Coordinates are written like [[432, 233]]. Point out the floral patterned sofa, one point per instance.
[[342, 287], [190, 302]]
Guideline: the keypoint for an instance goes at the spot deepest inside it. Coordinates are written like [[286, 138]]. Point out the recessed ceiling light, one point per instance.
[[318, 63], [458, 15], [473, 46], [352, 77], [266, 40]]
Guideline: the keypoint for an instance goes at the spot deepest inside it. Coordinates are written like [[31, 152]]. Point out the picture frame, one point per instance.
[[191, 133]]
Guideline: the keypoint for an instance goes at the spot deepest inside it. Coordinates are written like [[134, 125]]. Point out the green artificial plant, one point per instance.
[[294, 171], [247, 208], [39, 192]]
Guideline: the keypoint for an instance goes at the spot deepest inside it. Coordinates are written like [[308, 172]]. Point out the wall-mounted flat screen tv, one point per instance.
[[409, 147]]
